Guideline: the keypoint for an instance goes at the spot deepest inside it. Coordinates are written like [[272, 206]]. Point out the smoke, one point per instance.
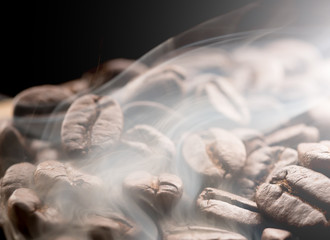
[[258, 79]]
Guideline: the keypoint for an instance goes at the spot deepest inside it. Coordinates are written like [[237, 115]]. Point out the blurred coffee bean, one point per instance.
[[292, 136], [110, 227], [201, 232], [160, 193], [232, 212], [63, 185], [91, 125], [154, 114], [260, 164], [28, 214], [40, 109], [298, 198], [276, 234], [77, 86], [128, 68], [252, 139], [149, 142], [315, 156], [165, 87], [221, 96], [213, 154], [19, 175], [13, 147], [44, 150]]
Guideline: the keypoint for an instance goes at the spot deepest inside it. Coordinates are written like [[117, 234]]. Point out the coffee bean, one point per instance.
[[34, 106], [228, 211], [19, 175], [13, 147], [62, 185], [150, 113], [292, 136], [276, 234], [160, 193], [260, 164], [77, 86], [110, 227], [298, 198], [315, 156], [92, 124], [163, 86], [149, 142], [28, 214], [128, 68], [214, 153], [252, 139], [222, 97], [200, 232]]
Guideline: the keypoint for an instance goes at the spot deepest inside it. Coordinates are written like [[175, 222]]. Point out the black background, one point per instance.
[[57, 41]]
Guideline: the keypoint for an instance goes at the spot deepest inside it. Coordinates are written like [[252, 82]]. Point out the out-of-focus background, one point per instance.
[[64, 39]]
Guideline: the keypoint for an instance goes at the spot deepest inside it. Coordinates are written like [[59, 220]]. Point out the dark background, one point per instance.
[[58, 41]]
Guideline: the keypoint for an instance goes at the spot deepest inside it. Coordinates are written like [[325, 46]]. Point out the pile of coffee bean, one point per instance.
[[216, 143]]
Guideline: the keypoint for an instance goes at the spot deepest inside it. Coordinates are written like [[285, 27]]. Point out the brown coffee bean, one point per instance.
[[315, 156], [160, 193], [201, 232], [298, 198], [252, 139], [19, 175], [77, 86], [28, 214], [92, 124], [149, 142], [150, 113], [128, 68], [34, 106], [13, 147], [293, 135], [232, 212], [45, 150], [222, 97], [214, 153], [276, 234], [63, 185], [259, 166], [110, 227], [163, 86]]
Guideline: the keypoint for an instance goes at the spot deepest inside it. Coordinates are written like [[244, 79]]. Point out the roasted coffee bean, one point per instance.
[[149, 142], [223, 209], [150, 113], [162, 86], [160, 193], [64, 185], [260, 164], [315, 156], [19, 175], [128, 68], [221, 96], [293, 135], [44, 150], [28, 214], [318, 116], [109, 227], [77, 86], [13, 147], [276, 234], [38, 111], [39, 100], [213, 154], [252, 139], [200, 232], [92, 124], [298, 198]]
